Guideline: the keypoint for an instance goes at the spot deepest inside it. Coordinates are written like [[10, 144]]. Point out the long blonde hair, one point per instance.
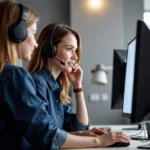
[[9, 15], [38, 62]]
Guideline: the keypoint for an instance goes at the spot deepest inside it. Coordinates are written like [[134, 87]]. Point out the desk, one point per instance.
[[133, 143]]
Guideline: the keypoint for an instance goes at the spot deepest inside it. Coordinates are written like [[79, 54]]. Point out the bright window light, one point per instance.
[[146, 17]]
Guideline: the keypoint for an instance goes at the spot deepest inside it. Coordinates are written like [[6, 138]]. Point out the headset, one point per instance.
[[49, 49], [18, 31]]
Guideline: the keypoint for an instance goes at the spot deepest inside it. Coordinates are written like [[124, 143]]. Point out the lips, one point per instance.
[[71, 64]]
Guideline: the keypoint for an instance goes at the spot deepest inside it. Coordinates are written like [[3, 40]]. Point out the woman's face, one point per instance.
[[66, 52], [28, 46]]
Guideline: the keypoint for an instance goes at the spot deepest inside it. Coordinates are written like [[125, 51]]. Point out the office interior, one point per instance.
[[108, 26]]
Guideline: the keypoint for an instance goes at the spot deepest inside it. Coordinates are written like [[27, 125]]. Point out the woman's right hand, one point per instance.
[[110, 138]]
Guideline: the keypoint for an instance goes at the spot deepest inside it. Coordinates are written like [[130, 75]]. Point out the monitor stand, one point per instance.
[[147, 125], [146, 146], [137, 128]]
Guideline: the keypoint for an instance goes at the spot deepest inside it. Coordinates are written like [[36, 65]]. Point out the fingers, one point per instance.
[[76, 68], [103, 130], [120, 137], [99, 131]]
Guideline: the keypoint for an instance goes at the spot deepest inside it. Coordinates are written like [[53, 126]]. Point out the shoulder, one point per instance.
[[16, 77], [14, 71]]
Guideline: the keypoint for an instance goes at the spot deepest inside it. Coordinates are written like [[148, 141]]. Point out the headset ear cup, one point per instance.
[[49, 50], [18, 32], [54, 51]]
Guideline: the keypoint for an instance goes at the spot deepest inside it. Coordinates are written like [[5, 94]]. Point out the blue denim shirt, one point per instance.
[[62, 115], [25, 123]]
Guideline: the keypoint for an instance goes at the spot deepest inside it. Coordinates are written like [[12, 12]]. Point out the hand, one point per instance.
[[112, 137], [76, 76], [98, 131], [95, 132]]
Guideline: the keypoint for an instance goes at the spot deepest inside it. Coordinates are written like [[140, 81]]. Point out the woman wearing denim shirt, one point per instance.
[[51, 78], [54, 66]]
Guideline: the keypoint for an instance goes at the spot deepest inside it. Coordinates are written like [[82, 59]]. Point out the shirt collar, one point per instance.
[[55, 85]]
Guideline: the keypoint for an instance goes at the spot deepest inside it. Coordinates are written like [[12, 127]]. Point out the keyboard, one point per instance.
[[119, 144]]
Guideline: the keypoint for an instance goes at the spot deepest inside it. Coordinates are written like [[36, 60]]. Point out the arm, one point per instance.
[[82, 114], [75, 78], [71, 122], [105, 140]]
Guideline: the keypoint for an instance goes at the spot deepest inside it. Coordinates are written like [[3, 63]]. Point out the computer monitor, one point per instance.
[[119, 66], [136, 103], [129, 79]]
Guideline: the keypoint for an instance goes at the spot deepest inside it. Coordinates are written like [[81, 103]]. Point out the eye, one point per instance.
[[69, 49], [34, 34]]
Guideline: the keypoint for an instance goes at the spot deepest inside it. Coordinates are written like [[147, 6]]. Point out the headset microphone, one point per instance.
[[60, 61]]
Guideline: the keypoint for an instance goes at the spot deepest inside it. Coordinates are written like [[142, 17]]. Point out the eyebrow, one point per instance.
[[72, 46]]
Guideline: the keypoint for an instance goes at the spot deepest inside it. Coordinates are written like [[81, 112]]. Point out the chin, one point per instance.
[[26, 58], [68, 70]]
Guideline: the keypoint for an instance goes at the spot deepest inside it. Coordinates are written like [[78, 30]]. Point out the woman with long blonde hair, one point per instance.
[[54, 66]]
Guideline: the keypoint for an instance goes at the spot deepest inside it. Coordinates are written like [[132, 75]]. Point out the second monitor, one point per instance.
[[119, 66]]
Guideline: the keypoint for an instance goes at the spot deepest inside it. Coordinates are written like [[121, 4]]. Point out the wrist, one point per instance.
[[77, 86], [77, 90], [97, 142]]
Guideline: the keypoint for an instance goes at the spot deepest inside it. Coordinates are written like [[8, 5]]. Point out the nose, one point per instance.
[[74, 56], [35, 45]]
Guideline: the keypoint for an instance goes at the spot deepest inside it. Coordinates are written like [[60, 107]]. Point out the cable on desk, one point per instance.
[[138, 133]]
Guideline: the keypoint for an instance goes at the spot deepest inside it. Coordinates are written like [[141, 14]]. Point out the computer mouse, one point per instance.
[[119, 144]]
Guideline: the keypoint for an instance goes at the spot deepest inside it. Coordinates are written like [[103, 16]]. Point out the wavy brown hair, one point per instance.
[[9, 15], [38, 61]]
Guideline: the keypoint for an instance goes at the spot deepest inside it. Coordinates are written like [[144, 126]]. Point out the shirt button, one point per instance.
[[57, 101], [58, 116]]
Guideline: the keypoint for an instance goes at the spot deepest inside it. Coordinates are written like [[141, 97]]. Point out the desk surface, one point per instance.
[[133, 143]]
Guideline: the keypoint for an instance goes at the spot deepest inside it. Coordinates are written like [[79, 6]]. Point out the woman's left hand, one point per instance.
[[92, 132], [76, 76], [98, 131]]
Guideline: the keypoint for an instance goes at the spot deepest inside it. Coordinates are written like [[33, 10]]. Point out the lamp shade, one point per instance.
[[99, 75]]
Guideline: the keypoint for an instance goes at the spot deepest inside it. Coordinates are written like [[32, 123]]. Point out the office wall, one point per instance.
[[132, 11], [102, 31]]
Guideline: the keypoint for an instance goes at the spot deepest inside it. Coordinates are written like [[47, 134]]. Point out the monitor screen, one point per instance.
[[136, 103], [119, 66], [129, 79]]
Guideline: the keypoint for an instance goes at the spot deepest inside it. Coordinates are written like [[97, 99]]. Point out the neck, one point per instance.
[[53, 69]]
